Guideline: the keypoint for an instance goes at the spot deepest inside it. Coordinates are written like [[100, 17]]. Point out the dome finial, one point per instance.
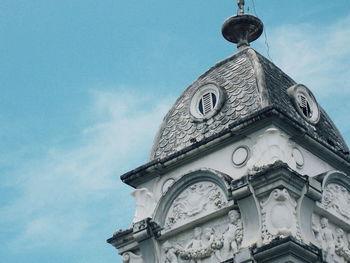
[[240, 4], [242, 29]]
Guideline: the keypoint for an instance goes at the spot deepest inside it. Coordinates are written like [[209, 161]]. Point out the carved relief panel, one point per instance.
[[197, 200], [212, 242], [332, 239], [336, 199]]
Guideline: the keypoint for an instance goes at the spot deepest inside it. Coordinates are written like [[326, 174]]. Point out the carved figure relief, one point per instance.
[[341, 245], [333, 241], [145, 204], [195, 201], [270, 147], [328, 239], [336, 198], [279, 216], [233, 236], [170, 253], [206, 245]]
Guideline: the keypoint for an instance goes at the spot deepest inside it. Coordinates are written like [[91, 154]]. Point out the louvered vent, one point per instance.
[[304, 106], [207, 103]]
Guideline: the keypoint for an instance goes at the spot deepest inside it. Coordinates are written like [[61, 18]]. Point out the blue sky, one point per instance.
[[85, 84]]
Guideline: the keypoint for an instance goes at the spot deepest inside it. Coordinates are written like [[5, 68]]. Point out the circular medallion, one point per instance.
[[240, 156]]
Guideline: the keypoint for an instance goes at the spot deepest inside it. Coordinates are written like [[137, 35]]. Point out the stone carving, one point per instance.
[[207, 245], [335, 244], [270, 147], [129, 257], [170, 253], [341, 247], [328, 241], [317, 231], [336, 198], [145, 204], [233, 236], [195, 201], [202, 246], [279, 216]]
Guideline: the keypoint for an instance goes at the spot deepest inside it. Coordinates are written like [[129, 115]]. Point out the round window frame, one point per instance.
[[246, 159], [194, 104], [300, 89]]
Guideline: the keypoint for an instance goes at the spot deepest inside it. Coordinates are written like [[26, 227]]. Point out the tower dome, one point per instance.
[[243, 88]]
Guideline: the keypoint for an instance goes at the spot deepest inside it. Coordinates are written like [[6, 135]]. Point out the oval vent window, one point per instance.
[[206, 101], [305, 103]]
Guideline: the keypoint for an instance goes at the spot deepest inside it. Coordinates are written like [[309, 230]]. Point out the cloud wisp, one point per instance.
[[316, 56], [63, 195]]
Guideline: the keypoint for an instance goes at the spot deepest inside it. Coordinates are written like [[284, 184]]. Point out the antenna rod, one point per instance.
[[240, 4]]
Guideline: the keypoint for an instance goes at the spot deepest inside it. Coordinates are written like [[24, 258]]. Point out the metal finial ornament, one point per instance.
[[240, 4], [242, 29]]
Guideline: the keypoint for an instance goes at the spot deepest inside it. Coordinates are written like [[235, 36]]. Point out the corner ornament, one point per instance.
[[279, 216]]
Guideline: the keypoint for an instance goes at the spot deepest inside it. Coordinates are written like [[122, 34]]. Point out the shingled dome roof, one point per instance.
[[234, 89]]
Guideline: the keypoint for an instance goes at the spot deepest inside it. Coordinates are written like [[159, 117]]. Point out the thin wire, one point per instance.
[[265, 34]]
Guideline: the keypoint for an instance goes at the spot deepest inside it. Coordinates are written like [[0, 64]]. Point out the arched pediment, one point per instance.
[[195, 195], [336, 194]]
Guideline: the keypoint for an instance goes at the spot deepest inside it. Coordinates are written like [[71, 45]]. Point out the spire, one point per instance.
[[242, 28]]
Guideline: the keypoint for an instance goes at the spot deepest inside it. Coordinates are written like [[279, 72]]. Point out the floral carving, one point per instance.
[[337, 199], [196, 200], [202, 246]]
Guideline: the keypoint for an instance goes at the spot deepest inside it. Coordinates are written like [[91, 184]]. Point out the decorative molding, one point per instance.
[[166, 185], [270, 147], [279, 217], [145, 229]]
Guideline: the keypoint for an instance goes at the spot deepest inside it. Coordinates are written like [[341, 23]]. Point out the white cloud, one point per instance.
[[61, 195], [317, 56]]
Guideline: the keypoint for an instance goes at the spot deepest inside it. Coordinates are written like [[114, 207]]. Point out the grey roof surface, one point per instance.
[[252, 83]]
